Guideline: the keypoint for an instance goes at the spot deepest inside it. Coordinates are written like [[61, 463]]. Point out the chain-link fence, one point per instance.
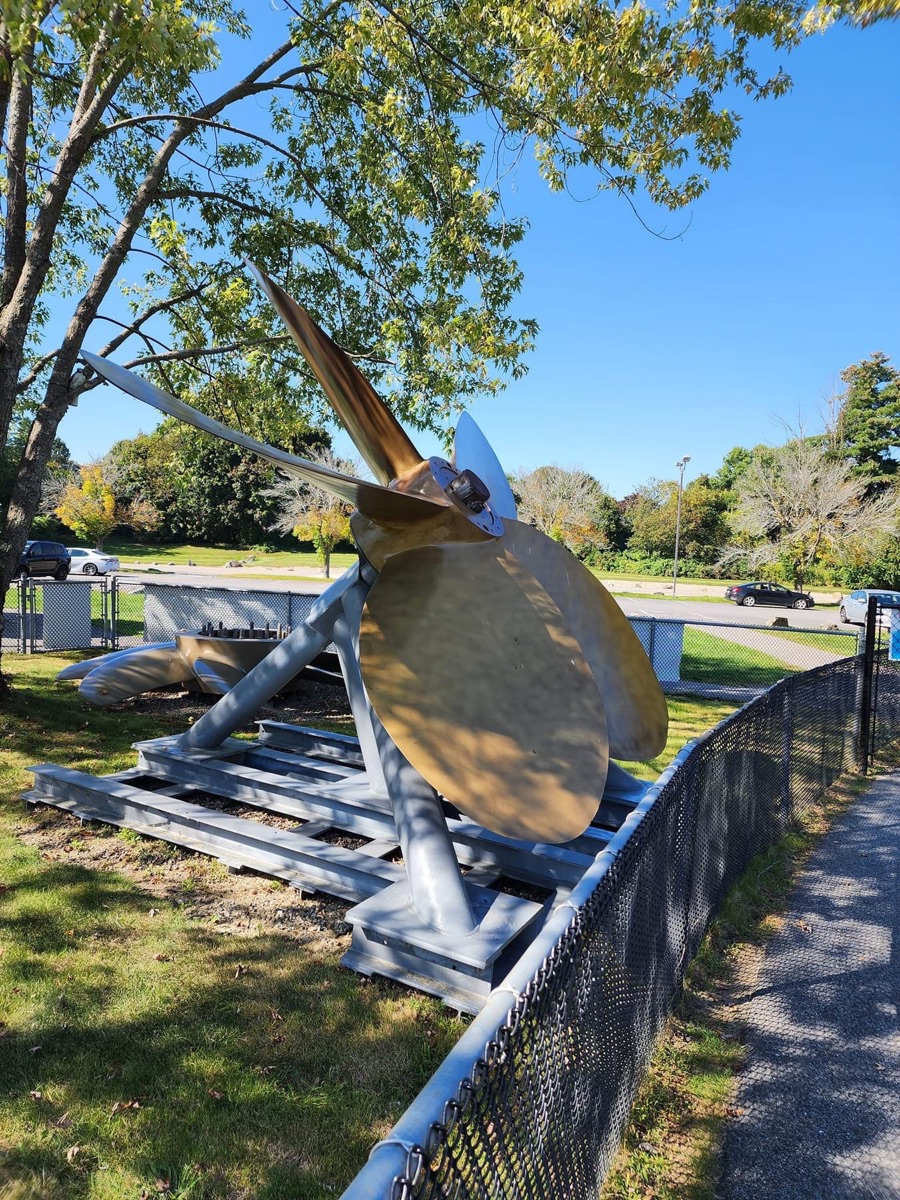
[[111, 613], [880, 699], [168, 608], [723, 659], [534, 1099]]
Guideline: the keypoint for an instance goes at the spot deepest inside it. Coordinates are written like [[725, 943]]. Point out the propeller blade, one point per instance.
[[470, 666], [81, 670], [376, 433], [472, 451], [374, 501], [636, 713], [143, 670]]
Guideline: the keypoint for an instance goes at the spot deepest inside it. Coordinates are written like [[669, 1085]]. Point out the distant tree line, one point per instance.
[[817, 509]]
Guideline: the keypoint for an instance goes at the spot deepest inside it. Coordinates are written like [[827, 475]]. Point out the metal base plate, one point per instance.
[[389, 938]]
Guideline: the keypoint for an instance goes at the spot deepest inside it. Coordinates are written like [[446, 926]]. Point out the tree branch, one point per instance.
[[208, 351]]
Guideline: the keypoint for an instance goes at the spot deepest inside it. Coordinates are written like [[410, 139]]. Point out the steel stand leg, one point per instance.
[[435, 881], [345, 635]]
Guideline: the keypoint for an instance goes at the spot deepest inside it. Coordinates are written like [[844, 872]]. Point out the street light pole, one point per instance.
[[680, 465]]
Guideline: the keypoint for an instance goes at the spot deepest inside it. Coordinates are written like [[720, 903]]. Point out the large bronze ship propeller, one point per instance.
[[500, 667]]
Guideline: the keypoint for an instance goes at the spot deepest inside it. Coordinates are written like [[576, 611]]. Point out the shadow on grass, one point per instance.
[[258, 1066]]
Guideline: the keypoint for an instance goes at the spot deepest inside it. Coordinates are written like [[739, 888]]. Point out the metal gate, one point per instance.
[[70, 614]]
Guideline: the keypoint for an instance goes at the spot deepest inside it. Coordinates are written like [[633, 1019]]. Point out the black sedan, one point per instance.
[[748, 594]]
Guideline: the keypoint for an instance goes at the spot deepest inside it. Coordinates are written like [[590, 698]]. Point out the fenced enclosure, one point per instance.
[[714, 659], [534, 1099], [111, 613]]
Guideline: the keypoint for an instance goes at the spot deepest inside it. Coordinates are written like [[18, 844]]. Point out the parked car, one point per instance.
[[43, 558], [855, 606], [92, 562], [748, 594]]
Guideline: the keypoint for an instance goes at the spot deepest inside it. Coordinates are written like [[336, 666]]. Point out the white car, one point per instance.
[[91, 562], [855, 606]]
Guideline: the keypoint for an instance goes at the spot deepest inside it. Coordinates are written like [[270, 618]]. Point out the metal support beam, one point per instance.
[[345, 634], [435, 879]]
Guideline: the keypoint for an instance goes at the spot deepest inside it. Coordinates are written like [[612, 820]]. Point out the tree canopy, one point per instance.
[[152, 144], [311, 514], [567, 504], [202, 489], [652, 512]]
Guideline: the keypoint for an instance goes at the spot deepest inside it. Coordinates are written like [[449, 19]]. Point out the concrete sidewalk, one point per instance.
[[819, 1101]]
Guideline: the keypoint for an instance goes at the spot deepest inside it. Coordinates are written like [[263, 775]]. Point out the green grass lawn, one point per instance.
[[176, 1060], [664, 578], [677, 598], [130, 552], [688, 717], [711, 659], [143, 1052]]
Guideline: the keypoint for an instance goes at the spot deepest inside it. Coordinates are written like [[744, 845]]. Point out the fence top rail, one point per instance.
[[227, 585]]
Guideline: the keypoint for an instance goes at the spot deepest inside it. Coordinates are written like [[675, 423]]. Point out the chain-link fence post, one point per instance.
[[20, 584], [865, 714], [114, 613], [32, 615]]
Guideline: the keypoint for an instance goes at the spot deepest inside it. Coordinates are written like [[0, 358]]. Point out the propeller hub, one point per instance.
[[470, 490], [467, 492]]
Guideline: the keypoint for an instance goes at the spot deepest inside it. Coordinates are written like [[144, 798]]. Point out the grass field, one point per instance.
[[836, 643], [711, 659], [130, 553], [146, 1047]]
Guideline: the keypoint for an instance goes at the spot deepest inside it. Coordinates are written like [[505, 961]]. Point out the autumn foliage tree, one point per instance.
[[89, 507], [567, 504]]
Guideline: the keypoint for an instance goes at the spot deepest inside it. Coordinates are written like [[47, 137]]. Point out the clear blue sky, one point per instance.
[[786, 272]]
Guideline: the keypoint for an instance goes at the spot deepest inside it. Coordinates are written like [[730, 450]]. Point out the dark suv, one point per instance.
[[43, 558]]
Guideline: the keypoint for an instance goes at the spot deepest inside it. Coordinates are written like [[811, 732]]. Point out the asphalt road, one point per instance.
[[684, 610], [732, 614]]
